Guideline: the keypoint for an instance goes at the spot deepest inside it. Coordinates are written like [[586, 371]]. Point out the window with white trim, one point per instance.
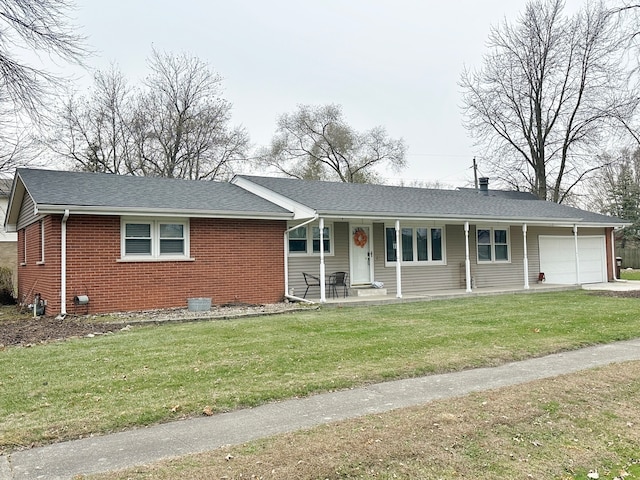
[[419, 245], [492, 244], [305, 240], [41, 261], [24, 247], [154, 239]]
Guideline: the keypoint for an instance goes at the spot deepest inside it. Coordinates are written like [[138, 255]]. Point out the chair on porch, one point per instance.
[[311, 281], [338, 279]]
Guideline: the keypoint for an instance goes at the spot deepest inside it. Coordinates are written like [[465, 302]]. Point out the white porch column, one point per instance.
[[467, 262], [398, 261], [526, 259], [323, 293], [575, 238]]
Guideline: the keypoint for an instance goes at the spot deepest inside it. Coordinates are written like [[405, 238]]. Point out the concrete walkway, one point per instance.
[[146, 445]]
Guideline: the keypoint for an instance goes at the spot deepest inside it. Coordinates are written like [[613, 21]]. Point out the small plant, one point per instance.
[[7, 293]]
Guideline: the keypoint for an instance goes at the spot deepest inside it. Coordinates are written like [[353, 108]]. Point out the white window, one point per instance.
[[305, 240], [493, 244], [419, 245], [164, 239], [24, 247], [41, 261]]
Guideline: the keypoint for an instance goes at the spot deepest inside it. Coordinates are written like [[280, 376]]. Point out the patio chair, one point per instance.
[[338, 279], [311, 281]]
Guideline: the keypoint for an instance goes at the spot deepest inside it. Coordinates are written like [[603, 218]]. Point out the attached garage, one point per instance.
[[558, 259]]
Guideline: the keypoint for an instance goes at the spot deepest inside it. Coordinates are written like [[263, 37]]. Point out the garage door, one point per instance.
[[558, 259]]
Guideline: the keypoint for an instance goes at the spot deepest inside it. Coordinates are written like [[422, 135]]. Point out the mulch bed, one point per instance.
[[32, 331]]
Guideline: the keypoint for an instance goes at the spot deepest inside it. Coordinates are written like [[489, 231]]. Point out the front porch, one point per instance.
[[390, 298]]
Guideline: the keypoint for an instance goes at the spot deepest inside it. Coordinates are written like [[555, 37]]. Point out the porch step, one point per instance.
[[368, 292]]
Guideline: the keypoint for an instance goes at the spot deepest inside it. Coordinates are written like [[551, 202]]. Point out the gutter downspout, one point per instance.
[[323, 287], [613, 260], [575, 237], [398, 261], [286, 261], [63, 264]]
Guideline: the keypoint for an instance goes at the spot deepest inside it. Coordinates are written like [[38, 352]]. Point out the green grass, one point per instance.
[[157, 373], [557, 428], [630, 274]]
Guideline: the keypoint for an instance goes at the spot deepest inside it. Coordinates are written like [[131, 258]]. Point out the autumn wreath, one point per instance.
[[360, 237]]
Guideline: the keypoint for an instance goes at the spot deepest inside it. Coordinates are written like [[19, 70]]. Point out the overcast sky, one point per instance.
[[394, 63]]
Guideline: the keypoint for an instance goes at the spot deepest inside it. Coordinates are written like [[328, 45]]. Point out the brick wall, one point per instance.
[[234, 261], [35, 276]]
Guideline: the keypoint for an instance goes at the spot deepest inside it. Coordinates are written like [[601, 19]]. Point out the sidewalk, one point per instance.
[[146, 445]]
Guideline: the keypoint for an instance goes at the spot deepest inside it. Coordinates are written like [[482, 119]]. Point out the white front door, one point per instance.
[[361, 255]]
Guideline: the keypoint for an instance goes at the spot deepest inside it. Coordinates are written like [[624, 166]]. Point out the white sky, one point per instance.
[[394, 63]]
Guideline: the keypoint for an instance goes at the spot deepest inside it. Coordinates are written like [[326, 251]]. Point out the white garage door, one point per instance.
[[558, 259]]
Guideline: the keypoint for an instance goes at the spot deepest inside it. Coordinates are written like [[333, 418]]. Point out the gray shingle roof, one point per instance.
[[511, 194], [335, 199], [123, 192]]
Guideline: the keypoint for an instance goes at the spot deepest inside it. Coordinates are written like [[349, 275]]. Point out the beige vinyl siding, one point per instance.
[[496, 274], [422, 279], [338, 262], [418, 279], [27, 212]]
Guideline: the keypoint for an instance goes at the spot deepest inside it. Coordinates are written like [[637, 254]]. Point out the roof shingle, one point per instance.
[[335, 198], [82, 189]]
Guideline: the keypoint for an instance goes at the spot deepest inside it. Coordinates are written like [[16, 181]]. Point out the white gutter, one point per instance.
[[43, 209], [286, 257], [63, 265]]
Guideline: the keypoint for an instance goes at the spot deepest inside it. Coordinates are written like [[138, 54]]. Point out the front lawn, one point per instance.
[[629, 274], [563, 428], [158, 373]]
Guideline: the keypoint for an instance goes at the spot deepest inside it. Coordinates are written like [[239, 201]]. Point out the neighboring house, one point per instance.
[[136, 243], [8, 240]]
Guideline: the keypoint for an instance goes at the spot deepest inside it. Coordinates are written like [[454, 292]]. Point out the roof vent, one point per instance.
[[484, 185]]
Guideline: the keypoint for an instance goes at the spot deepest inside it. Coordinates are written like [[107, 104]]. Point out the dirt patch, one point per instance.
[[32, 331], [623, 294], [23, 329]]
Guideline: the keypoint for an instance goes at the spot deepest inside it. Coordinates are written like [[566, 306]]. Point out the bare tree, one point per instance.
[[315, 142], [18, 146], [41, 26], [95, 131], [616, 192], [175, 125], [181, 125], [549, 88]]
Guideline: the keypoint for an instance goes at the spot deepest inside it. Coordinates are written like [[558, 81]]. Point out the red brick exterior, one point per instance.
[[609, 247], [233, 261]]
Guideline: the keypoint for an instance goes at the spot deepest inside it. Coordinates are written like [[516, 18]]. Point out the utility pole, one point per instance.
[[475, 172]]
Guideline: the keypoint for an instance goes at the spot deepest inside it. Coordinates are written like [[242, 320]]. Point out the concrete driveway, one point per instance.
[[617, 286]]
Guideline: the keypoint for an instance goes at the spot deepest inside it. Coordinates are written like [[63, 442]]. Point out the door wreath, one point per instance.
[[360, 237]]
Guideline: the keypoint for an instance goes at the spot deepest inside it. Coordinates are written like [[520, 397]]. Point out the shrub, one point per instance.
[[7, 294]]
